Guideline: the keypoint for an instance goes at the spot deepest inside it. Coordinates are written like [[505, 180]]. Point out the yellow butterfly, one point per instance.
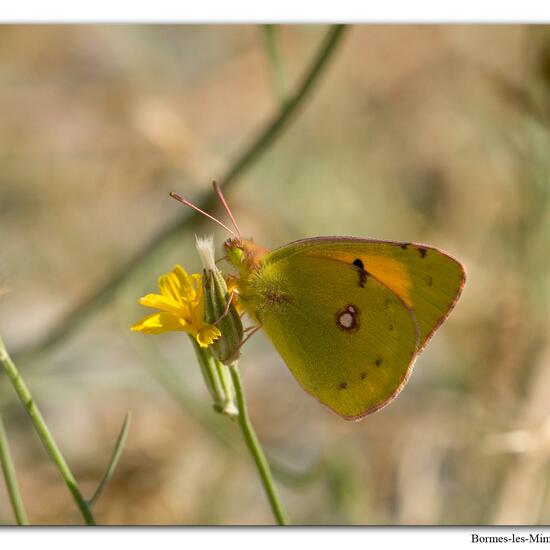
[[347, 315]]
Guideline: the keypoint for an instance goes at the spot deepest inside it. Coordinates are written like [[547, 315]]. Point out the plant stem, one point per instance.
[[11, 479], [256, 450], [275, 64], [115, 457], [44, 433], [260, 144]]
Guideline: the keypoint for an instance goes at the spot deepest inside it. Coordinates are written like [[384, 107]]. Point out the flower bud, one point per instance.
[[217, 309]]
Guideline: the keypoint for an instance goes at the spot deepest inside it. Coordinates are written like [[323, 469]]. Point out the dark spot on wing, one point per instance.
[[363, 273], [362, 278], [363, 375], [390, 327], [404, 246], [422, 252], [378, 362], [343, 385]]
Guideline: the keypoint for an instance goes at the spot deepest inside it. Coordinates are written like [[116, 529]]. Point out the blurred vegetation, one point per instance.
[[436, 134]]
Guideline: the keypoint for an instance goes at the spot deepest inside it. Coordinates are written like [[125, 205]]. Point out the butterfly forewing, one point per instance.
[[428, 280]]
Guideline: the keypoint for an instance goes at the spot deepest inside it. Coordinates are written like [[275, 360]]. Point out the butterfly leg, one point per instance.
[[232, 295], [253, 330]]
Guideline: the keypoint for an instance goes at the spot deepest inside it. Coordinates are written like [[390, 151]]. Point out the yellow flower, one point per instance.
[[181, 305]]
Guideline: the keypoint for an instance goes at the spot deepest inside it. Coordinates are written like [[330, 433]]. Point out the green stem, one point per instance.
[[44, 433], [263, 140], [255, 449], [275, 64], [11, 479], [115, 457]]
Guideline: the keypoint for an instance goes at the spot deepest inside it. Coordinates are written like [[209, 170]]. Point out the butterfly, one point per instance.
[[347, 315]]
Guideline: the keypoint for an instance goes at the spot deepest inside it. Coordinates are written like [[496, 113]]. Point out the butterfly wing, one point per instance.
[[350, 345]]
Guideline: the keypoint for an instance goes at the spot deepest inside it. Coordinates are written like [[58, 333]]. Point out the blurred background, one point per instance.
[[435, 134]]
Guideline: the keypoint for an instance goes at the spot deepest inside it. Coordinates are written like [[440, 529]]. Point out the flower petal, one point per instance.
[[167, 288], [157, 323], [186, 283], [206, 335], [164, 303], [178, 285]]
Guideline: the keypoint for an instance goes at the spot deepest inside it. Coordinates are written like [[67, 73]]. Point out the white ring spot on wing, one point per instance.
[[346, 320]]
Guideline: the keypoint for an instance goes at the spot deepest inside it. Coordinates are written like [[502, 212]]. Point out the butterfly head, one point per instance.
[[244, 254]]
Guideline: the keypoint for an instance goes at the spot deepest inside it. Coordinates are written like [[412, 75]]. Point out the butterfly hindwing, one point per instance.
[[347, 338]]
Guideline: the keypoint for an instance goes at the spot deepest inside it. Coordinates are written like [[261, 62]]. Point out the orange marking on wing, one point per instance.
[[391, 273], [388, 271]]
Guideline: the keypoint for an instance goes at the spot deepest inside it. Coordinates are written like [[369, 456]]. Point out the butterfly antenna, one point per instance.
[[218, 191], [195, 207]]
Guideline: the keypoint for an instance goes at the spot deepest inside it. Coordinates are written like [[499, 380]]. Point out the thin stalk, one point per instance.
[[11, 480], [275, 64], [259, 145], [256, 450], [115, 457], [44, 433]]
